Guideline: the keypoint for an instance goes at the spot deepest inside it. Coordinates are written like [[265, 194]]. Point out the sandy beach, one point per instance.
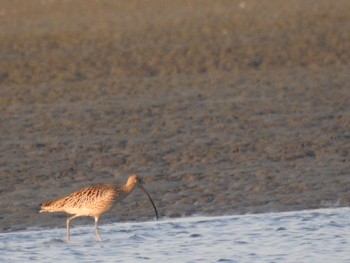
[[223, 107]]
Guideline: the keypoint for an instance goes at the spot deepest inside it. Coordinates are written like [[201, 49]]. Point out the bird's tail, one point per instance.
[[47, 207], [43, 207]]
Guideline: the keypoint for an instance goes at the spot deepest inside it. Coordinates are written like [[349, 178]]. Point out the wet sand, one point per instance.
[[224, 107]]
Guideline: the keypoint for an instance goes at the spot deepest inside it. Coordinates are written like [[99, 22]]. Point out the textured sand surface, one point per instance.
[[224, 107]]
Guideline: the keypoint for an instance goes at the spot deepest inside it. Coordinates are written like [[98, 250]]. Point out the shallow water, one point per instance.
[[306, 236]]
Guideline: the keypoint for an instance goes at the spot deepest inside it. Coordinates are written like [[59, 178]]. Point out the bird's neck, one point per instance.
[[128, 188]]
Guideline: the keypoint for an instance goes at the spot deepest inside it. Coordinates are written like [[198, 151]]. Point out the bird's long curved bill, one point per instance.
[[145, 191]]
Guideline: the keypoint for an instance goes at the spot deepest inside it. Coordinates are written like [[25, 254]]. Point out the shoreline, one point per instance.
[[221, 109]]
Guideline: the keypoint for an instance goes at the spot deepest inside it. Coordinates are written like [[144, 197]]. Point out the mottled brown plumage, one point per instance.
[[93, 201]]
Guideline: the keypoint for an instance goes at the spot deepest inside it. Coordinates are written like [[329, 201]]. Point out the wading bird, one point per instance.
[[94, 201]]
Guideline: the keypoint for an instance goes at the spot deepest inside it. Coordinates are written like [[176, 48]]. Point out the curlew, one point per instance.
[[94, 201]]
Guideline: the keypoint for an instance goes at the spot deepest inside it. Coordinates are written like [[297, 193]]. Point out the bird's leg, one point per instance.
[[96, 229], [68, 226]]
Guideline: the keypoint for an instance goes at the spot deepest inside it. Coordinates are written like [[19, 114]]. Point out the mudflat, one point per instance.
[[224, 107]]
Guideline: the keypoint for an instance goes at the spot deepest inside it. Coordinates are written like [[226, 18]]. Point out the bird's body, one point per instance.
[[90, 201], [93, 201]]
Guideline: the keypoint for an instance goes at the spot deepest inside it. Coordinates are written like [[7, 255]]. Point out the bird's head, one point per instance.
[[133, 180], [136, 180]]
